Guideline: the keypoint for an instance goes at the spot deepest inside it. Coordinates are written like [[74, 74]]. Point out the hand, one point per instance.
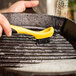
[[4, 25], [19, 6]]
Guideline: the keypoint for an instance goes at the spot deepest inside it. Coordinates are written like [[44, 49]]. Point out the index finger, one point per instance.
[[31, 3], [5, 25]]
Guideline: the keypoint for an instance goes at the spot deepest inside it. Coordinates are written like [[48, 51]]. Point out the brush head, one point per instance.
[[55, 32], [43, 41], [46, 40]]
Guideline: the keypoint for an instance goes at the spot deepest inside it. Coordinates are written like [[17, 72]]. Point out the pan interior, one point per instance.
[[22, 49]]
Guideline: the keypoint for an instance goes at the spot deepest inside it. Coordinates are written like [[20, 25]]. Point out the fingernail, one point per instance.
[[9, 34], [0, 35]]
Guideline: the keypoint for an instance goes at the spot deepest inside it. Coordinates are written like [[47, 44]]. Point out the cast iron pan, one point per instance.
[[20, 52]]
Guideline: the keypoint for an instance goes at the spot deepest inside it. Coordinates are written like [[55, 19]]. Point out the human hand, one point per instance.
[[4, 25], [21, 6]]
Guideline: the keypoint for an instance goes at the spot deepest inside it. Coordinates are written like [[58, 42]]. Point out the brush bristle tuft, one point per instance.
[[43, 41]]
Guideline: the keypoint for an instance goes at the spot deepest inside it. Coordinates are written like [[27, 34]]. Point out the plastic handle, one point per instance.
[[37, 34]]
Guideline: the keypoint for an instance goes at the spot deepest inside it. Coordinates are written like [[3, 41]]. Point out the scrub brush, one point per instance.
[[40, 36]]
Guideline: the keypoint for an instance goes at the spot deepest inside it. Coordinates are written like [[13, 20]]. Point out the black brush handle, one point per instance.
[[29, 10]]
